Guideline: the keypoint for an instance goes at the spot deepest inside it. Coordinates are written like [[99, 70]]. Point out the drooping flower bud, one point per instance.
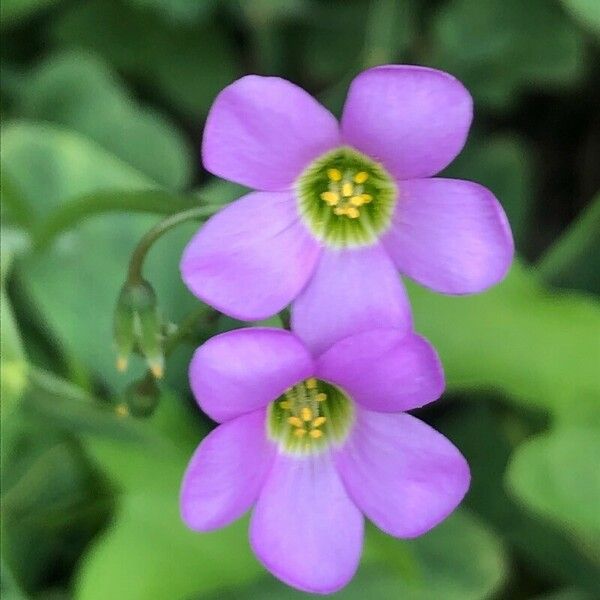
[[137, 324], [142, 397]]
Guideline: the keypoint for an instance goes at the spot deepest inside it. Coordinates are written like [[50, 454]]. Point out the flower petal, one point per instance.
[[304, 528], [351, 291], [226, 473], [385, 369], [405, 476], [252, 258], [240, 371], [450, 235], [262, 132], [415, 120]]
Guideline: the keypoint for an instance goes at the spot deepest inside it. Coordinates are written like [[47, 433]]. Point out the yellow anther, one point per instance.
[[122, 364], [315, 433], [122, 410], [339, 210], [320, 397], [334, 174], [357, 200], [318, 422], [332, 198], [295, 421], [299, 432], [285, 404], [306, 414], [367, 198], [311, 383], [347, 189], [352, 212], [361, 177]]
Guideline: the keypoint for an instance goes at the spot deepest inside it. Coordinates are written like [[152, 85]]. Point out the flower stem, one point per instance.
[[573, 244], [147, 201], [136, 262]]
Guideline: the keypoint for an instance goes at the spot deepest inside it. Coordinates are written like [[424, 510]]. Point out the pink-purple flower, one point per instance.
[[313, 442], [342, 207]]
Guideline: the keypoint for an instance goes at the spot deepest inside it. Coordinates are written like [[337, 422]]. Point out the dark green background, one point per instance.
[[103, 103]]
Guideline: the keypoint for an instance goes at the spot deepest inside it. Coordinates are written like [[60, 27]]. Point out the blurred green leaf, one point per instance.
[[187, 64], [459, 559], [557, 476], [52, 502], [147, 550], [486, 433], [587, 12], [13, 368], [54, 165], [13, 12], [541, 349], [179, 11], [500, 48], [77, 90], [502, 164]]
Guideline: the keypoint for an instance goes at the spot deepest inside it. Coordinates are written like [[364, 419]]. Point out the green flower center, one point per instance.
[[309, 417], [345, 198]]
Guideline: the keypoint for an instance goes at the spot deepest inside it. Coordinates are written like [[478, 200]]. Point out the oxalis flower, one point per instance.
[[314, 442], [342, 208]]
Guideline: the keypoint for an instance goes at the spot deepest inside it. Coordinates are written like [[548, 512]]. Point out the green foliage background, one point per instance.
[[103, 103]]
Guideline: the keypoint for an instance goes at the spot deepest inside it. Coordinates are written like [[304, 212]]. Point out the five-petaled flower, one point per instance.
[[342, 207], [313, 442]]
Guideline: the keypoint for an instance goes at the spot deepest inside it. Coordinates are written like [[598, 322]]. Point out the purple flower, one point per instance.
[[342, 207], [314, 442]]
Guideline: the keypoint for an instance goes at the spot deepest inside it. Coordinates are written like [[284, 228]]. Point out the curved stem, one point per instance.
[[577, 239], [147, 201], [136, 262]]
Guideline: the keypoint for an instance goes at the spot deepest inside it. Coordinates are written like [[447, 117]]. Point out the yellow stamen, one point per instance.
[[334, 174], [311, 383], [352, 212], [367, 198], [331, 198], [339, 210], [295, 421], [299, 432], [122, 410], [315, 433], [318, 422], [122, 364], [285, 404], [306, 414], [357, 200], [361, 177], [320, 397], [157, 370], [347, 189]]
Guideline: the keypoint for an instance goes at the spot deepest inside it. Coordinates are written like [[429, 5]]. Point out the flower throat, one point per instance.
[[309, 417], [345, 198]]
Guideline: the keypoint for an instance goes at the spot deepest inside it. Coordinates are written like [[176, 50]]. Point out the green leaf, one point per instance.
[[459, 559], [147, 550], [500, 48], [179, 11], [52, 503], [587, 12], [52, 166], [77, 90], [188, 64], [540, 349], [557, 476], [486, 433], [12, 12]]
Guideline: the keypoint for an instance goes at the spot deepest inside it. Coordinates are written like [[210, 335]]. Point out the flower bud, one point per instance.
[[137, 324], [142, 397]]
